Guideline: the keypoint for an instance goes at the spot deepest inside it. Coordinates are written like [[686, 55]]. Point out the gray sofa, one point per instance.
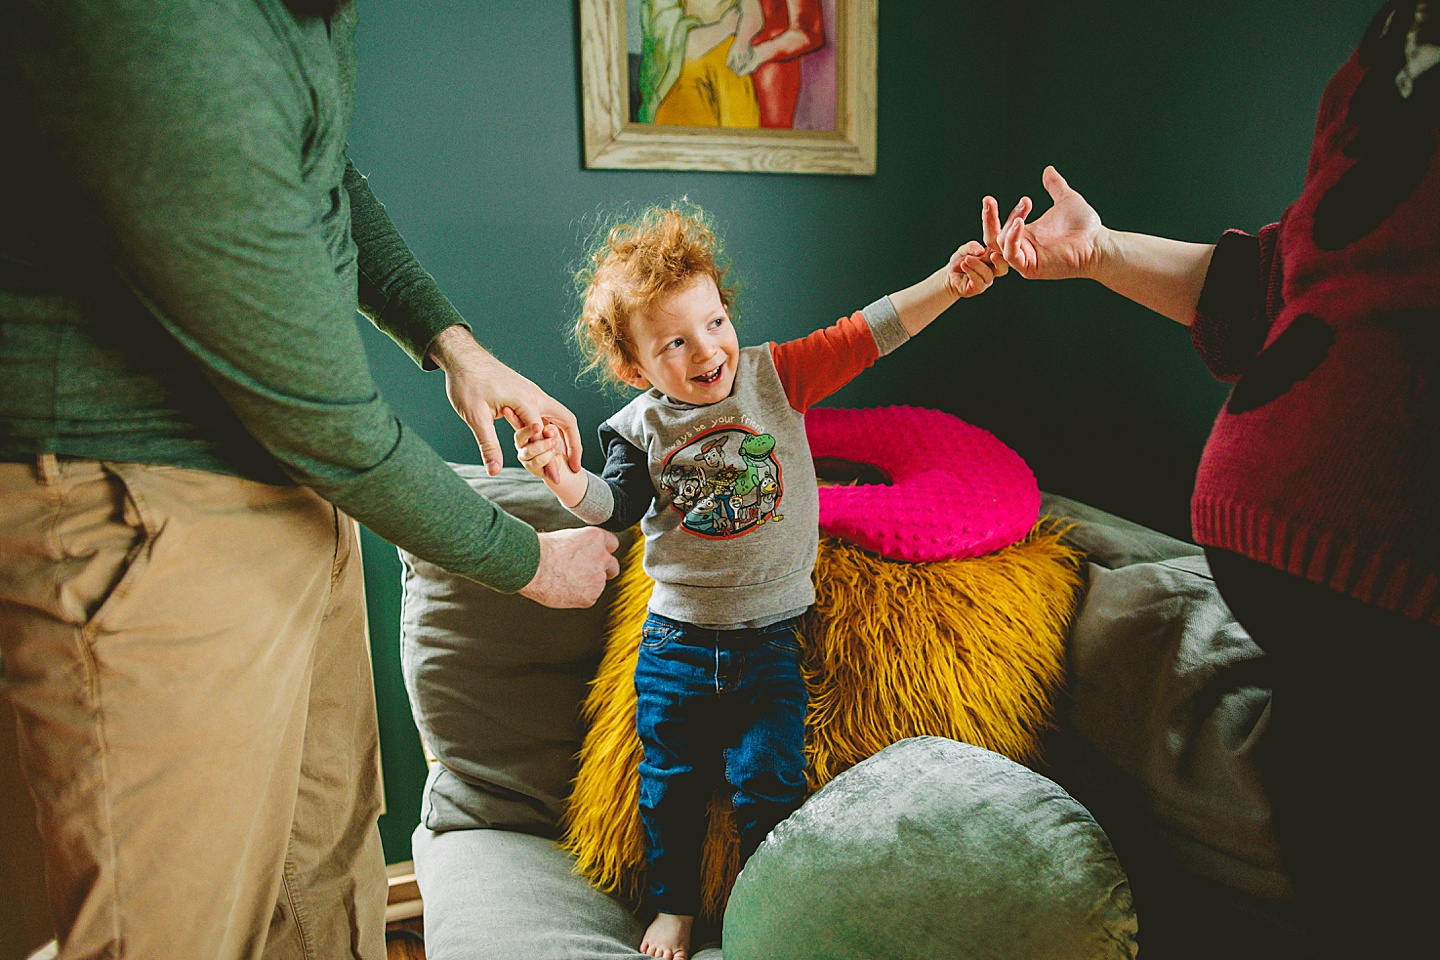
[[1166, 699]]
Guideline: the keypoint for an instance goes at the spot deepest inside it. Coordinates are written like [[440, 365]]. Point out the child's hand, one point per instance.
[[541, 451], [973, 269]]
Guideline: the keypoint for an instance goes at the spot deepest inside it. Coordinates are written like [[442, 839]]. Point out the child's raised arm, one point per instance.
[[969, 273], [813, 367], [540, 452]]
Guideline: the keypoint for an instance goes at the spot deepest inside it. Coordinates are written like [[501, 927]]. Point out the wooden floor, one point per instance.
[[403, 939]]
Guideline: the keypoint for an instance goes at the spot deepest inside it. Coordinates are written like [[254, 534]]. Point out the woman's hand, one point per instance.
[[1068, 240]]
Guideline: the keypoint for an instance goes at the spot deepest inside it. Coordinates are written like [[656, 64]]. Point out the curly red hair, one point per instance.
[[633, 266]]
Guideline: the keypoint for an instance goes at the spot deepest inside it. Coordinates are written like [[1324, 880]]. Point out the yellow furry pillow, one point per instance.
[[972, 650]]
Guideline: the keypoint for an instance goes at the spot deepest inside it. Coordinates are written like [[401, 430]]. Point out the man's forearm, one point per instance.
[[396, 293], [1164, 275]]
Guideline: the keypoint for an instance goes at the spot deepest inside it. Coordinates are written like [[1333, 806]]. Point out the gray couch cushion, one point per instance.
[[1110, 541], [1166, 703], [502, 895], [495, 681], [934, 848], [1169, 690]]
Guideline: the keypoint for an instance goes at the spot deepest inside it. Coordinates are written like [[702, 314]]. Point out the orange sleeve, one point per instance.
[[814, 367]]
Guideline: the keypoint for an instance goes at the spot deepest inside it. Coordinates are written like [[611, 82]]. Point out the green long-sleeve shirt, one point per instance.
[[183, 250]]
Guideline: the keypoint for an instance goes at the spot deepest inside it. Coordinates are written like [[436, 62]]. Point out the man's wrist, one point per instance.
[[452, 343]]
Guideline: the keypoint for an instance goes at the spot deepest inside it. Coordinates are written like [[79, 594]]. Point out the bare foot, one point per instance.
[[668, 937]]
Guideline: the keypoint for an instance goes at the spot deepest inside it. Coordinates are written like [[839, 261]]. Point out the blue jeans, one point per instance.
[[703, 697]]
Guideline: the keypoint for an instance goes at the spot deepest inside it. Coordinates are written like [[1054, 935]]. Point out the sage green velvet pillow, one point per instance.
[[934, 849]]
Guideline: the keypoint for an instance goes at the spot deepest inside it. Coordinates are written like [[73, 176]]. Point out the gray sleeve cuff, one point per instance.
[[885, 325], [598, 503]]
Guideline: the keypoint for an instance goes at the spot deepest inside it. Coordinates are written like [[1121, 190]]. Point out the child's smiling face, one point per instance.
[[684, 345]]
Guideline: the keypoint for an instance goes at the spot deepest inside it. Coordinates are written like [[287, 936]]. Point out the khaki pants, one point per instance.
[[188, 661]]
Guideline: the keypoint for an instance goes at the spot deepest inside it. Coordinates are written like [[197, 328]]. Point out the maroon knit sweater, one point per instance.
[[1325, 461]]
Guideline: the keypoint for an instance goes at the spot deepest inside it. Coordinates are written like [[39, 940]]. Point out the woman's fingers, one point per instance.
[[990, 225], [1010, 243]]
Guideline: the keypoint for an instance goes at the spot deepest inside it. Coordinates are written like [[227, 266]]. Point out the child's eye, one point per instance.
[[677, 342], [717, 323]]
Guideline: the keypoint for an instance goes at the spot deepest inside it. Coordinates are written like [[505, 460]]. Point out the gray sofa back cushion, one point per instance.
[[496, 681], [1167, 701], [1110, 541]]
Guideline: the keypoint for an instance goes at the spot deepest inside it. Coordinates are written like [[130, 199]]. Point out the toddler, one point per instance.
[[712, 461]]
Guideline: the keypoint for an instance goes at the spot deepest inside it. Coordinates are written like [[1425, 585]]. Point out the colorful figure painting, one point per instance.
[[741, 64], [745, 86]]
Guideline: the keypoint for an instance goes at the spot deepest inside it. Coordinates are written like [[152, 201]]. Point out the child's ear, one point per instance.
[[630, 374]]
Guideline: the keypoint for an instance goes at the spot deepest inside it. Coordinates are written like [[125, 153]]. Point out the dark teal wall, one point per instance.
[[1181, 119], [468, 126]]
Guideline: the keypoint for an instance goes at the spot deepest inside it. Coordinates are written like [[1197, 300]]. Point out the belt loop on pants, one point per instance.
[[48, 469]]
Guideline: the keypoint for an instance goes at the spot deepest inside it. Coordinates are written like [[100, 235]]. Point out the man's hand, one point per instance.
[[1066, 241], [482, 389], [574, 565]]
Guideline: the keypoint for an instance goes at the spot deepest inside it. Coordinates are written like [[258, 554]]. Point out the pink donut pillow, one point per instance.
[[955, 491]]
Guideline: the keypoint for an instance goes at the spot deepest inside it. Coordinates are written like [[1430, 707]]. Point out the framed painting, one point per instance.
[[776, 86]]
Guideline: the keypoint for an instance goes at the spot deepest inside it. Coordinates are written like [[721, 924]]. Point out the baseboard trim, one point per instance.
[[403, 901]]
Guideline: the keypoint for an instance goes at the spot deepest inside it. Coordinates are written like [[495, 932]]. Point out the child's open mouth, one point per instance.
[[710, 377]]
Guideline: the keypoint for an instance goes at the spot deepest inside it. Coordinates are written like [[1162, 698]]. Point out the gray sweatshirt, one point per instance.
[[728, 491]]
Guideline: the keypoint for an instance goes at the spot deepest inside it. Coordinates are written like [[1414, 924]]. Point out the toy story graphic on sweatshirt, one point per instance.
[[724, 482]]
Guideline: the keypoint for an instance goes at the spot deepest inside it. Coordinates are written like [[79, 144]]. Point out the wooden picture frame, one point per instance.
[[616, 140]]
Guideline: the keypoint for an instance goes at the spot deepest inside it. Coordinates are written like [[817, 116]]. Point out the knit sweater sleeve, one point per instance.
[[396, 293], [1241, 297]]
